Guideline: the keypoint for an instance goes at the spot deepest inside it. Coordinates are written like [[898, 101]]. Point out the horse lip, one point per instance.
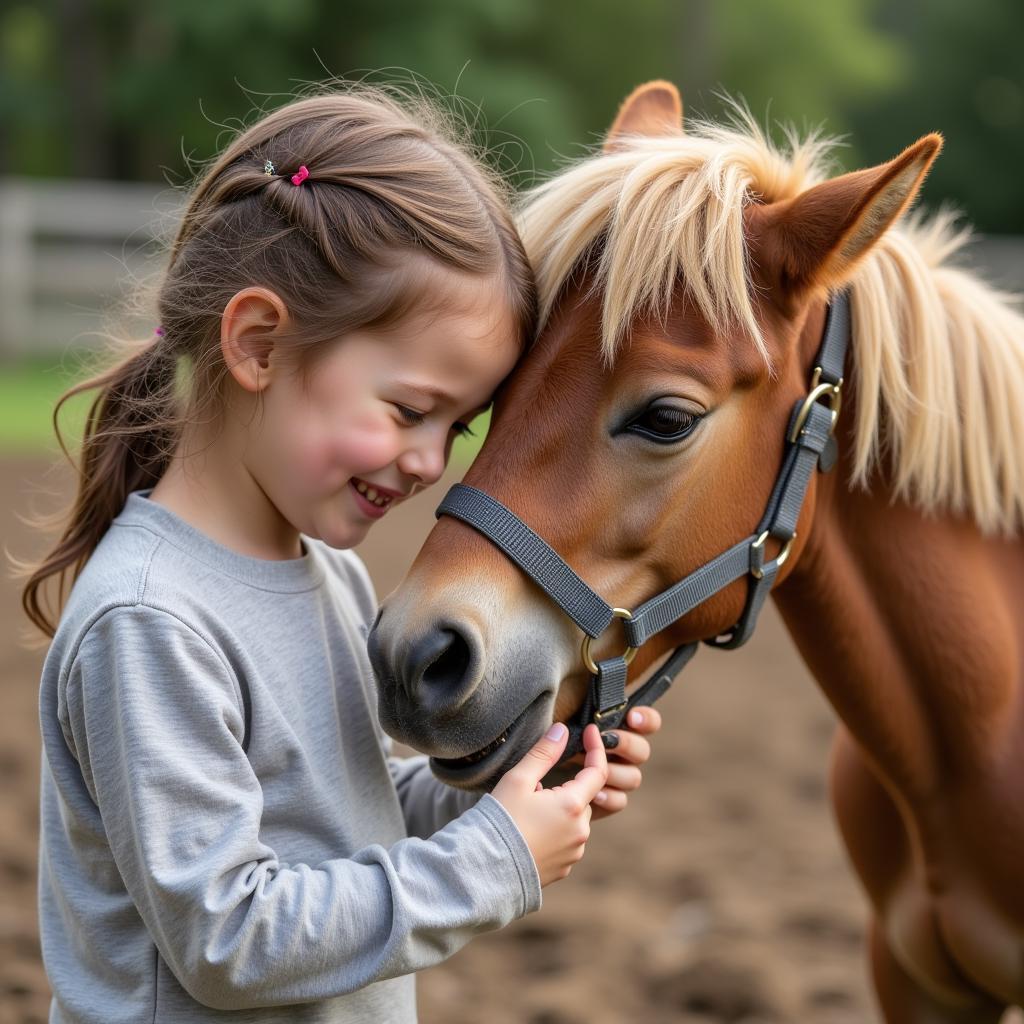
[[475, 756], [471, 759], [458, 771]]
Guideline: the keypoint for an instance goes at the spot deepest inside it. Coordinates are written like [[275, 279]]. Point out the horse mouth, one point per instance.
[[476, 757], [482, 767]]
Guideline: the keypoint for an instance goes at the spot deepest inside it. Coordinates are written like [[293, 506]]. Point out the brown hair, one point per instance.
[[387, 179]]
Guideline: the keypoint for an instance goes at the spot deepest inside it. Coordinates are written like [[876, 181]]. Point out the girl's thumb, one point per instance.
[[543, 754]]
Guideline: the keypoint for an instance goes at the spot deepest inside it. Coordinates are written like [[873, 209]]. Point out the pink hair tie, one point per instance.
[[298, 179]]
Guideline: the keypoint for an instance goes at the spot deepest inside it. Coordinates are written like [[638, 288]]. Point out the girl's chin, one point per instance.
[[342, 540], [339, 533]]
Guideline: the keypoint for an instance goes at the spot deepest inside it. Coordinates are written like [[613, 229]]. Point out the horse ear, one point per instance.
[[652, 109], [817, 237]]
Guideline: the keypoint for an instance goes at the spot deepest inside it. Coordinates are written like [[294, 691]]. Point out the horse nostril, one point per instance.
[[439, 669], [451, 664]]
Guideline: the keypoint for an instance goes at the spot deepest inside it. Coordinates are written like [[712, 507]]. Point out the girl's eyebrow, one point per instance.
[[438, 394]]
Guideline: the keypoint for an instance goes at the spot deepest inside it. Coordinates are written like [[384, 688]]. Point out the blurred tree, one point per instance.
[[810, 61], [966, 79], [31, 102], [114, 88]]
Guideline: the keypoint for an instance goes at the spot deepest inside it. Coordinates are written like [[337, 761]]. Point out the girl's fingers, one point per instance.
[[632, 747], [593, 748], [645, 720], [594, 773], [623, 777], [537, 761], [612, 801]]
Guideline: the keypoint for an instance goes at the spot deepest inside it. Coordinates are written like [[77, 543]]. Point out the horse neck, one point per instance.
[[908, 624]]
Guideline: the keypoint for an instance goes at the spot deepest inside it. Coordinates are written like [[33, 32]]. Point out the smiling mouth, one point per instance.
[[371, 494]]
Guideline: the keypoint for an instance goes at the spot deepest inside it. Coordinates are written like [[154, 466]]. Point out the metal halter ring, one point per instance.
[[834, 393], [780, 558], [627, 655]]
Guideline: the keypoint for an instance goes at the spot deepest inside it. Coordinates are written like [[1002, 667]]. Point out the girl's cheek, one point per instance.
[[337, 444], [361, 451]]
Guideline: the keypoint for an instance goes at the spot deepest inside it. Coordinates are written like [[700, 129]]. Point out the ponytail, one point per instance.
[[130, 433]]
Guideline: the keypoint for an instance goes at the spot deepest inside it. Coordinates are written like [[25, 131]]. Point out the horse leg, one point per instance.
[[904, 1001], [876, 838]]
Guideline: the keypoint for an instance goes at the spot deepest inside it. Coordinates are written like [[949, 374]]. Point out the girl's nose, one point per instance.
[[426, 462]]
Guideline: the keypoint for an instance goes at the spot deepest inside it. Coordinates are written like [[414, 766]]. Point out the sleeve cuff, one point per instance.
[[503, 824]]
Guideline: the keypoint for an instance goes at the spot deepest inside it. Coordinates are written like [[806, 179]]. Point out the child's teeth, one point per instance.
[[370, 493]]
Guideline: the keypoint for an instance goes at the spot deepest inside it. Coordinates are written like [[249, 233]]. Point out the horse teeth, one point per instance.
[[493, 745]]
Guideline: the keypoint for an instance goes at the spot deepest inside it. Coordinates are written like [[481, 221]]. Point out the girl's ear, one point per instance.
[[817, 237], [652, 109], [248, 329]]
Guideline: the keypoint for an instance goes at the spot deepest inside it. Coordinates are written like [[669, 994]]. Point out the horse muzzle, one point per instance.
[[474, 698]]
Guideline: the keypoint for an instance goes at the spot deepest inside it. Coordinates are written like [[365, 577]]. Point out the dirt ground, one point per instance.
[[720, 895]]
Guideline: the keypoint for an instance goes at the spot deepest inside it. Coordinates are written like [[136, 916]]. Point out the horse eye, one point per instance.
[[664, 423]]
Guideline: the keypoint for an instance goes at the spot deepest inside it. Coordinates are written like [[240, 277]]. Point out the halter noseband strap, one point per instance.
[[810, 444]]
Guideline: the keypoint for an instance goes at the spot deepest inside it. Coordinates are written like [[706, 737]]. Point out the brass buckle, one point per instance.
[[627, 655], [834, 393], [780, 558], [600, 716]]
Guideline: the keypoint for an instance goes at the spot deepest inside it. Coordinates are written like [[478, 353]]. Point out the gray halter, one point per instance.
[[810, 444]]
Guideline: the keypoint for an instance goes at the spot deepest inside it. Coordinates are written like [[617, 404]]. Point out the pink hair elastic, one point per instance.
[[298, 179], [159, 332]]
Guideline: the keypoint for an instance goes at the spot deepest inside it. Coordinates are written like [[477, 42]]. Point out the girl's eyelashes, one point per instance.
[[411, 416], [414, 418]]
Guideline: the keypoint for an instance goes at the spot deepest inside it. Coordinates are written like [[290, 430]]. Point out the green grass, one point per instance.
[[29, 391], [28, 394]]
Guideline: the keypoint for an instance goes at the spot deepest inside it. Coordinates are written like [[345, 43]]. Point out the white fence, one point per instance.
[[69, 248]]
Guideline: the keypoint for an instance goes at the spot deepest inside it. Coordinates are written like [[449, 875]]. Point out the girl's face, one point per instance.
[[376, 420]]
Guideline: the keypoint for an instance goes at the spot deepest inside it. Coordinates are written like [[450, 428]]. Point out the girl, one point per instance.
[[222, 829]]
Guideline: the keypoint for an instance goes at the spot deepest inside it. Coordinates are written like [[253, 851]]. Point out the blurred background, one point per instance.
[[723, 895]]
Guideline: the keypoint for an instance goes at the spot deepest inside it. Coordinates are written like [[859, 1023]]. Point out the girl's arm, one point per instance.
[[153, 716], [427, 803]]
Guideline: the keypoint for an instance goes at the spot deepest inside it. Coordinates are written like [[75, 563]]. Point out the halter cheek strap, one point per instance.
[[810, 444]]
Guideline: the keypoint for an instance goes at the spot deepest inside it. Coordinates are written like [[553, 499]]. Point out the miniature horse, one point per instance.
[[684, 279]]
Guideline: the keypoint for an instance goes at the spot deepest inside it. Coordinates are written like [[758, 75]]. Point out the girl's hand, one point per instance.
[[554, 822], [631, 750]]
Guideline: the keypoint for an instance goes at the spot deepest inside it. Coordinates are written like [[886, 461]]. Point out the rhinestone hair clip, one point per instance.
[[297, 179]]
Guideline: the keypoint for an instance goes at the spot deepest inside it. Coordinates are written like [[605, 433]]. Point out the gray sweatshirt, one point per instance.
[[223, 836]]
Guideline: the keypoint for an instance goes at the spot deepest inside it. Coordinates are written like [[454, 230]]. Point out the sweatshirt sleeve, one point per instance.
[[154, 716], [427, 803]]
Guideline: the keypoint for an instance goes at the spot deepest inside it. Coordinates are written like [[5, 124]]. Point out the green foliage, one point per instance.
[[113, 88], [965, 79], [827, 58]]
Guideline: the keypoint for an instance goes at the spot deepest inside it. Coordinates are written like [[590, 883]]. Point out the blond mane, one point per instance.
[[937, 356]]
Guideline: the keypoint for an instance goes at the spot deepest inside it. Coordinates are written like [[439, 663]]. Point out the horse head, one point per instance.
[[684, 278]]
